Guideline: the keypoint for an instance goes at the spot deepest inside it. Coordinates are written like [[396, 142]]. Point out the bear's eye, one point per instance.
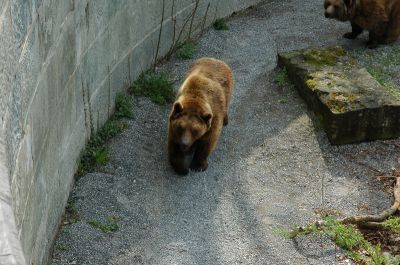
[[194, 132], [178, 130]]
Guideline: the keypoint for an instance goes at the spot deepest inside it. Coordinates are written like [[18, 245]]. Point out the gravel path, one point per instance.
[[272, 167]]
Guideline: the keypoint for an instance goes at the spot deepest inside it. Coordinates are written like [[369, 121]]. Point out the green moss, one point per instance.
[[311, 83], [323, 57], [156, 86], [340, 102]]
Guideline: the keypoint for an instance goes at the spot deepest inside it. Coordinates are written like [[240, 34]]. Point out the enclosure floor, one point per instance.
[[273, 167]]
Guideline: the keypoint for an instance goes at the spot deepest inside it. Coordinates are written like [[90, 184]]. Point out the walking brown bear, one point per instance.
[[380, 17], [198, 114]]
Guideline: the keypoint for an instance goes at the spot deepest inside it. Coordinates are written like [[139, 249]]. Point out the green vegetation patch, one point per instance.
[[384, 78], [123, 106], [111, 224], [383, 64], [71, 212], [220, 24], [95, 153], [323, 57], [186, 50], [282, 78], [156, 86], [345, 236], [392, 224]]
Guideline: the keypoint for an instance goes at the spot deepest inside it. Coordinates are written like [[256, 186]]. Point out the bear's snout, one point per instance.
[[184, 147]]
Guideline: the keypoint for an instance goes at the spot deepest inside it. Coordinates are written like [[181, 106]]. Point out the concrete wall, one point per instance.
[[62, 63]]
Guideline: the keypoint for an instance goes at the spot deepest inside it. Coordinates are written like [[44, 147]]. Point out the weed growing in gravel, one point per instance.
[[186, 50], [111, 225], [220, 24], [393, 224], [346, 237], [123, 106], [282, 78], [384, 78], [71, 212], [95, 153], [382, 64], [156, 86], [61, 247]]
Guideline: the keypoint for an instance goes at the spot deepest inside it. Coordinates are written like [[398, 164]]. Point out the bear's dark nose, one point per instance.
[[327, 15], [184, 147]]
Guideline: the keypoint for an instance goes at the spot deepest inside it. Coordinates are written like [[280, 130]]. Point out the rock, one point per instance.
[[351, 104]]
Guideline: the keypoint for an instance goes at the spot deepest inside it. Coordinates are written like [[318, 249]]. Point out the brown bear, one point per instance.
[[198, 114], [380, 17]]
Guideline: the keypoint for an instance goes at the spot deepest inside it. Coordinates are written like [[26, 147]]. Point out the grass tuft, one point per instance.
[[220, 24], [156, 86], [123, 106], [96, 153], [346, 237], [282, 78], [71, 212], [393, 224], [186, 50], [111, 224]]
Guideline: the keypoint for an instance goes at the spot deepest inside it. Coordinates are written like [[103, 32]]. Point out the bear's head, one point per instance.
[[338, 9], [189, 121]]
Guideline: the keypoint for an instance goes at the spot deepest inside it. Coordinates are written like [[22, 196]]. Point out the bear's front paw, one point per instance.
[[372, 44], [350, 35], [199, 166]]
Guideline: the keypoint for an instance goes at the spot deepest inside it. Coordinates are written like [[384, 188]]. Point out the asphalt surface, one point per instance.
[[273, 167]]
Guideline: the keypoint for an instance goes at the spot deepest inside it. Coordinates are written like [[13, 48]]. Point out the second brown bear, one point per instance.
[[198, 114], [380, 17]]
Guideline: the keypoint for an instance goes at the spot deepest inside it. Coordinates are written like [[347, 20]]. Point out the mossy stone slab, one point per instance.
[[353, 106]]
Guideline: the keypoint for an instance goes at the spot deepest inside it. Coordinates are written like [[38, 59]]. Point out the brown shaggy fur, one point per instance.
[[380, 17], [198, 114]]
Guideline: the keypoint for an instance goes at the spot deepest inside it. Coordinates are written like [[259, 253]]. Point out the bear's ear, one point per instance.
[[207, 119], [177, 108]]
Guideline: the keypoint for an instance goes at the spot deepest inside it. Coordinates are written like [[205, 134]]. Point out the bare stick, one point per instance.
[[193, 16], [159, 35]]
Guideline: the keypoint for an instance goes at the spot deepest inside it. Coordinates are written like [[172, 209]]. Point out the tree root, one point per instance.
[[373, 220], [362, 221]]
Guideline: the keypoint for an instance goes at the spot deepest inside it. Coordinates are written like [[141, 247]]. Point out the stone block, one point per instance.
[[352, 105]]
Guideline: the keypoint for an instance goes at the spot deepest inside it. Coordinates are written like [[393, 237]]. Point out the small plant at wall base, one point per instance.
[[156, 86], [71, 212], [220, 24], [123, 106], [186, 50], [95, 153]]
